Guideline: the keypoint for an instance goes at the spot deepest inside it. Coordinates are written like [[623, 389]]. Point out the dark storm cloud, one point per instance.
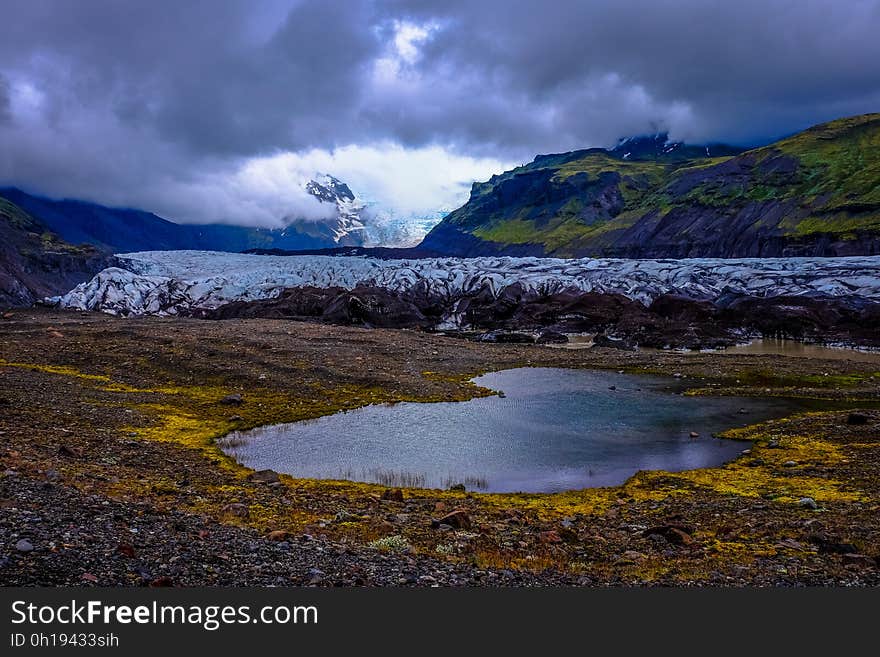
[[143, 102], [740, 71], [5, 113]]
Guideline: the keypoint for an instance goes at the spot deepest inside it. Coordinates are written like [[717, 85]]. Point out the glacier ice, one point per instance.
[[171, 282]]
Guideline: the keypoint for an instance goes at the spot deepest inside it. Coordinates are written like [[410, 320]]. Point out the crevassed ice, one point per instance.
[[167, 282]]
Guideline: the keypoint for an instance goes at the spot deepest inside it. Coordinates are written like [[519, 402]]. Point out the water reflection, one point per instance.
[[555, 429]]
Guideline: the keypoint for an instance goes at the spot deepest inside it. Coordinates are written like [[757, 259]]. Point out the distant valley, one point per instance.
[[119, 230]]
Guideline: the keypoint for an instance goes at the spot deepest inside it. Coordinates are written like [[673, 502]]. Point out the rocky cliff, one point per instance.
[[35, 263], [816, 193]]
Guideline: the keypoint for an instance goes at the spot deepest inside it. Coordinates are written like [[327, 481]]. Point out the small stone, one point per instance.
[[612, 387], [808, 503], [72, 452], [568, 535], [630, 556], [694, 434], [773, 444], [458, 519], [264, 477], [234, 399], [88, 577], [549, 537], [677, 375], [551, 337], [789, 464], [857, 418], [235, 418], [862, 560], [162, 582], [237, 509], [392, 495], [24, 545], [673, 534], [746, 452], [278, 535], [791, 544], [52, 475], [125, 550], [345, 516], [316, 576]]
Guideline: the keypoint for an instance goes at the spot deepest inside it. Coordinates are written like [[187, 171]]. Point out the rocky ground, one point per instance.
[[111, 474], [516, 314]]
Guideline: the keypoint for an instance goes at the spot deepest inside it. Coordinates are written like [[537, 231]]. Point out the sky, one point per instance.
[[220, 111]]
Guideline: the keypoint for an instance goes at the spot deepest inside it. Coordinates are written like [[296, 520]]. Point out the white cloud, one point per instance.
[[402, 51], [408, 181]]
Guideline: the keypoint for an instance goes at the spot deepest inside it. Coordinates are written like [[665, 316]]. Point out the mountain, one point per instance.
[[35, 263], [120, 230], [815, 193], [348, 228]]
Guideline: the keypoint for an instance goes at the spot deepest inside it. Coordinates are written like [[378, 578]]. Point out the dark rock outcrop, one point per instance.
[[35, 263], [517, 315]]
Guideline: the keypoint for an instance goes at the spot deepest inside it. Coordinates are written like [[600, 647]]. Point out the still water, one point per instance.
[[554, 429]]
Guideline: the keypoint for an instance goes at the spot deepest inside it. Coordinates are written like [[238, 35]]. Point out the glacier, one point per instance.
[[176, 282]]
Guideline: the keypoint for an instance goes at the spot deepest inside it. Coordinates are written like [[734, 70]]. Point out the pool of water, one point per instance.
[[793, 348], [553, 429], [759, 347]]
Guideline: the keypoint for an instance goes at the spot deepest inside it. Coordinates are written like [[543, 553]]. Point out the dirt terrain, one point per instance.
[[111, 474]]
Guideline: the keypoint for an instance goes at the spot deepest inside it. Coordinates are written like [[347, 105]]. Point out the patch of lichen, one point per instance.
[[781, 466], [61, 370], [788, 380], [551, 506], [192, 418], [711, 556]]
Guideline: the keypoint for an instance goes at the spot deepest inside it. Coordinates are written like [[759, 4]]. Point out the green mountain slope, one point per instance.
[[816, 193], [35, 263]]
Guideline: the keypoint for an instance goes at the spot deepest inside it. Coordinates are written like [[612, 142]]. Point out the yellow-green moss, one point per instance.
[[61, 370], [192, 417]]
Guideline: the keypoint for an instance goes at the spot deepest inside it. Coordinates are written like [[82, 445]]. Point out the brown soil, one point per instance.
[[111, 473]]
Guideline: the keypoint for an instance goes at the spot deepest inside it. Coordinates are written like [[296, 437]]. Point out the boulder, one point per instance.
[[264, 477], [458, 519]]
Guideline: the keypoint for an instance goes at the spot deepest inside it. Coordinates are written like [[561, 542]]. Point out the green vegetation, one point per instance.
[[17, 217], [37, 238], [825, 180]]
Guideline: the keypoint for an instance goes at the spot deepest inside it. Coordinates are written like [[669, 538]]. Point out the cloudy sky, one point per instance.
[[218, 111]]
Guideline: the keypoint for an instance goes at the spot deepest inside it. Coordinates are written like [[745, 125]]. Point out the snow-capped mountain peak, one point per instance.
[[347, 227], [328, 189]]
